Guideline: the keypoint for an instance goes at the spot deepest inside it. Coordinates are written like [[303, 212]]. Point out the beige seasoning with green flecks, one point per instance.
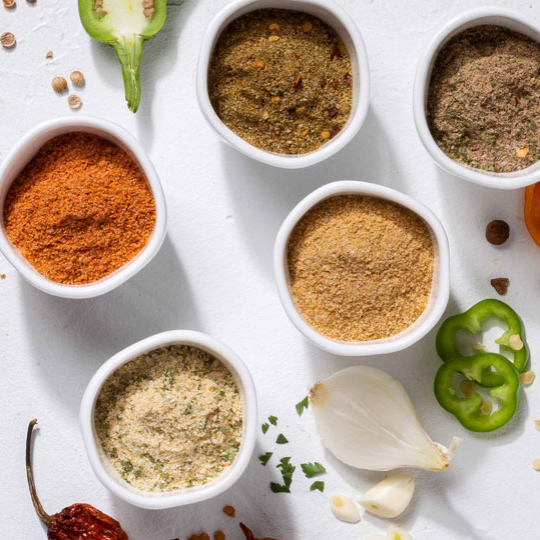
[[170, 419]]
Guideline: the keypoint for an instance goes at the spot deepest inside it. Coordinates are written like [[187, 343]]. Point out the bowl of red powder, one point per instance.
[[82, 207]]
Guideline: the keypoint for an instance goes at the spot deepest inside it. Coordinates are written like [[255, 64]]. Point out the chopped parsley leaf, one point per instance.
[[281, 439], [273, 420], [312, 469], [304, 404], [265, 427], [319, 486], [265, 458]]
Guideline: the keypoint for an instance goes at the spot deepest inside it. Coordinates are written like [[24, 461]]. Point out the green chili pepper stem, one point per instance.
[[129, 51], [46, 518]]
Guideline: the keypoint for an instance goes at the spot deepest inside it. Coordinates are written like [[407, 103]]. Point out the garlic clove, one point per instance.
[[389, 498], [398, 533], [344, 509], [367, 420]]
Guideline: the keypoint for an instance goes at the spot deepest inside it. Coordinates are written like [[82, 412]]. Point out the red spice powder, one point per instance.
[[80, 209]]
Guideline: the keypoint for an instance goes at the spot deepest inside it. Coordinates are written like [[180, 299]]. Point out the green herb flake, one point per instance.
[[281, 439], [312, 469], [265, 458], [287, 470], [278, 488], [317, 486], [304, 404], [265, 427], [273, 420]]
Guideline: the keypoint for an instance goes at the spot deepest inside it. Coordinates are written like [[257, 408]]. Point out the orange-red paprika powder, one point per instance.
[[80, 209]]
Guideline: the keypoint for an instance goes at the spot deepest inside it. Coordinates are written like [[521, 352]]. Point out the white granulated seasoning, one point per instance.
[[170, 419]]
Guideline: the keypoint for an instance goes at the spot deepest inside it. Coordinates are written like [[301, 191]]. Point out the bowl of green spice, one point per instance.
[[284, 82], [477, 98], [171, 420]]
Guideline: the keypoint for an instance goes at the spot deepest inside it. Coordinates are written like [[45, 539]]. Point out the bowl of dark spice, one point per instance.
[[170, 420], [284, 82], [362, 269], [82, 207], [477, 98]]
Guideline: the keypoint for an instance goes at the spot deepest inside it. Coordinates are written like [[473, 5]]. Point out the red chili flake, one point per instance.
[[516, 100], [336, 52], [335, 130], [297, 57], [332, 111], [347, 79], [334, 83]]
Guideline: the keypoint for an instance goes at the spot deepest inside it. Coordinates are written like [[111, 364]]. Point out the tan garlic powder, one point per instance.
[[170, 419], [360, 268]]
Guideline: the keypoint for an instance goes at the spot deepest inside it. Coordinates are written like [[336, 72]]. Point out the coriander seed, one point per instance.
[[307, 27], [9, 3], [274, 27], [325, 134], [59, 84], [258, 64], [77, 78], [74, 101], [7, 39]]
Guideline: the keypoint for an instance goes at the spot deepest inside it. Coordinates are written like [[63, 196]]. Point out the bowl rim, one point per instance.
[[202, 493], [344, 187], [129, 142], [514, 180], [326, 151]]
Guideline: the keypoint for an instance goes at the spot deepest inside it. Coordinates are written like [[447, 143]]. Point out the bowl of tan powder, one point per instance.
[[284, 82], [477, 98], [82, 207], [362, 269], [170, 420]]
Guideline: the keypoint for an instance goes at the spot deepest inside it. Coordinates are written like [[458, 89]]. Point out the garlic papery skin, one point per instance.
[[367, 420], [344, 509], [398, 533], [390, 497]]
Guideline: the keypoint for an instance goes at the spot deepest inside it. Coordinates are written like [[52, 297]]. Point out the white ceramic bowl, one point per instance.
[[328, 12], [190, 495], [26, 149], [441, 276], [475, 17]]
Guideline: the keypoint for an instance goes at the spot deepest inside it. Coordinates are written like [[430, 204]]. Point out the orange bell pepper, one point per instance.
[[532, 211]]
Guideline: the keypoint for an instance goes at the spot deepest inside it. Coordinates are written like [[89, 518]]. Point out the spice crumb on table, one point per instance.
[[281, 80]]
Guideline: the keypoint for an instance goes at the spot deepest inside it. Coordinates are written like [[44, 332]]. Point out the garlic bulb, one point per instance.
[[344, 509], [367, 420], [390, 497], [398, 533]]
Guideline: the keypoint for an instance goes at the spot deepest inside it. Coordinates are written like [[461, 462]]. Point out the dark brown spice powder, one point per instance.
[[484, 99], [80, 209], [281, 80]]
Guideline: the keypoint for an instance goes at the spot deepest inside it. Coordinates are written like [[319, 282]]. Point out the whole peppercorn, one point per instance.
[[497, 232]]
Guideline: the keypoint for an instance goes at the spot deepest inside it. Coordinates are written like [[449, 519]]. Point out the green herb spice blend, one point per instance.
[[484, 99], [282, 80]]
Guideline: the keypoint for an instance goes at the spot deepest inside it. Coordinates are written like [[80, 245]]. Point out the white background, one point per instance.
[[214, 274]]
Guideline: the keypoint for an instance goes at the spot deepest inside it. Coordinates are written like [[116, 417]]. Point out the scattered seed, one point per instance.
[[468, 388], [522, 153], [77, 78], [301, 110], [74, 101], [59, 84], [500, 285], [527, 378], [497, 232], [326, 134], [297, 81], [219, 535], [229, 511], [486, 408], [258, 64], [515, 343], [204, 536], [274, 27], [537, 425], [304, 132], [49, 54], [307, 27], [275, 99], [273, 39], [536, 464], [9, 3], [7, 39]]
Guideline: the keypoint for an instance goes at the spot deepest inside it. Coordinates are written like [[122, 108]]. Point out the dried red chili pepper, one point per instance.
[[249, 534], [76, 522]]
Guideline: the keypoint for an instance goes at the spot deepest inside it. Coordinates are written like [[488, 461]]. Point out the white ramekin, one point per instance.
[[475, 17], [26, 149], [441, 277], [328, 12], [190, 495]]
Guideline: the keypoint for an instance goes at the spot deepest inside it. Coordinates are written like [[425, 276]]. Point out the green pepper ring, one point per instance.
[[468, 409], [471, 321]]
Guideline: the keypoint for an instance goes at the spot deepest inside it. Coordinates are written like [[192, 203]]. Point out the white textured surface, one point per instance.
[[214, 274]]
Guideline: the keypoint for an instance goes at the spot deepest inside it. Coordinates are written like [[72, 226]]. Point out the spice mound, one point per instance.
[[484, 99], [170, 419], [80, 209], [360, 268], [281, 80]]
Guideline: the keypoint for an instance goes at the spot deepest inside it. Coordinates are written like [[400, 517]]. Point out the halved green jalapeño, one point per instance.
[[124, 25]]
